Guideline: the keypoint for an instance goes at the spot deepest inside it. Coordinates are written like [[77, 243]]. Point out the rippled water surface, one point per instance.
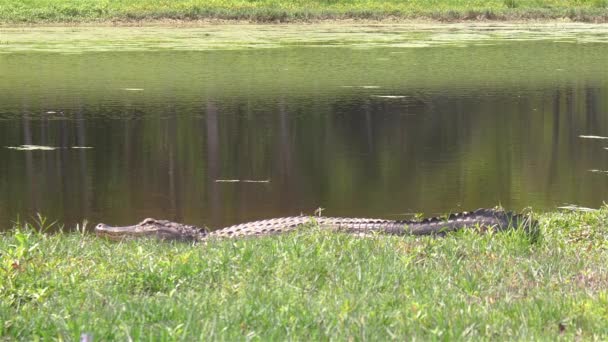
[[220, 124]]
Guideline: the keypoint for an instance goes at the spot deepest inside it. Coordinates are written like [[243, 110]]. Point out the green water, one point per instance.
[[360, 120]]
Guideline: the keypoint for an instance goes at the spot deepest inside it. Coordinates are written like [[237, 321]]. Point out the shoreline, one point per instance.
[[505, 285], [323, 16], [187, 23]]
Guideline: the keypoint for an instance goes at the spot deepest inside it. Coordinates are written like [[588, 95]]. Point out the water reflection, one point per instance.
[[356, 151]]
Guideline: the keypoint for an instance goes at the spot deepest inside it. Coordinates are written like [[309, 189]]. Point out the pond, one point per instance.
[[215, 125]]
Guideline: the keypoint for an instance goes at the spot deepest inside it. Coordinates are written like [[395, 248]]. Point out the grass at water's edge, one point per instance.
[[311, 285], [74, 11]]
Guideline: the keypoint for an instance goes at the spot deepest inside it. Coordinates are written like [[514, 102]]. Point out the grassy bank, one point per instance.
[[36, 11], [316, 285]]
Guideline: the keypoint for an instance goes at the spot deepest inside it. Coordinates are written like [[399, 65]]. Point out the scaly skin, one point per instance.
[[483, 219]]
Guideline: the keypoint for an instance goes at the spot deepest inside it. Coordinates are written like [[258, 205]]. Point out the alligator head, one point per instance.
[[161, 229]]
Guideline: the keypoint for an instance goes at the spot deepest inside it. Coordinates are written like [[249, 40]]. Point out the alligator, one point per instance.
[[481, 219]]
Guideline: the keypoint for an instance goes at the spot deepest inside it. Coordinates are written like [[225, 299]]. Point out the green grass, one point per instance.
[[12, 11], [319, 285]]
